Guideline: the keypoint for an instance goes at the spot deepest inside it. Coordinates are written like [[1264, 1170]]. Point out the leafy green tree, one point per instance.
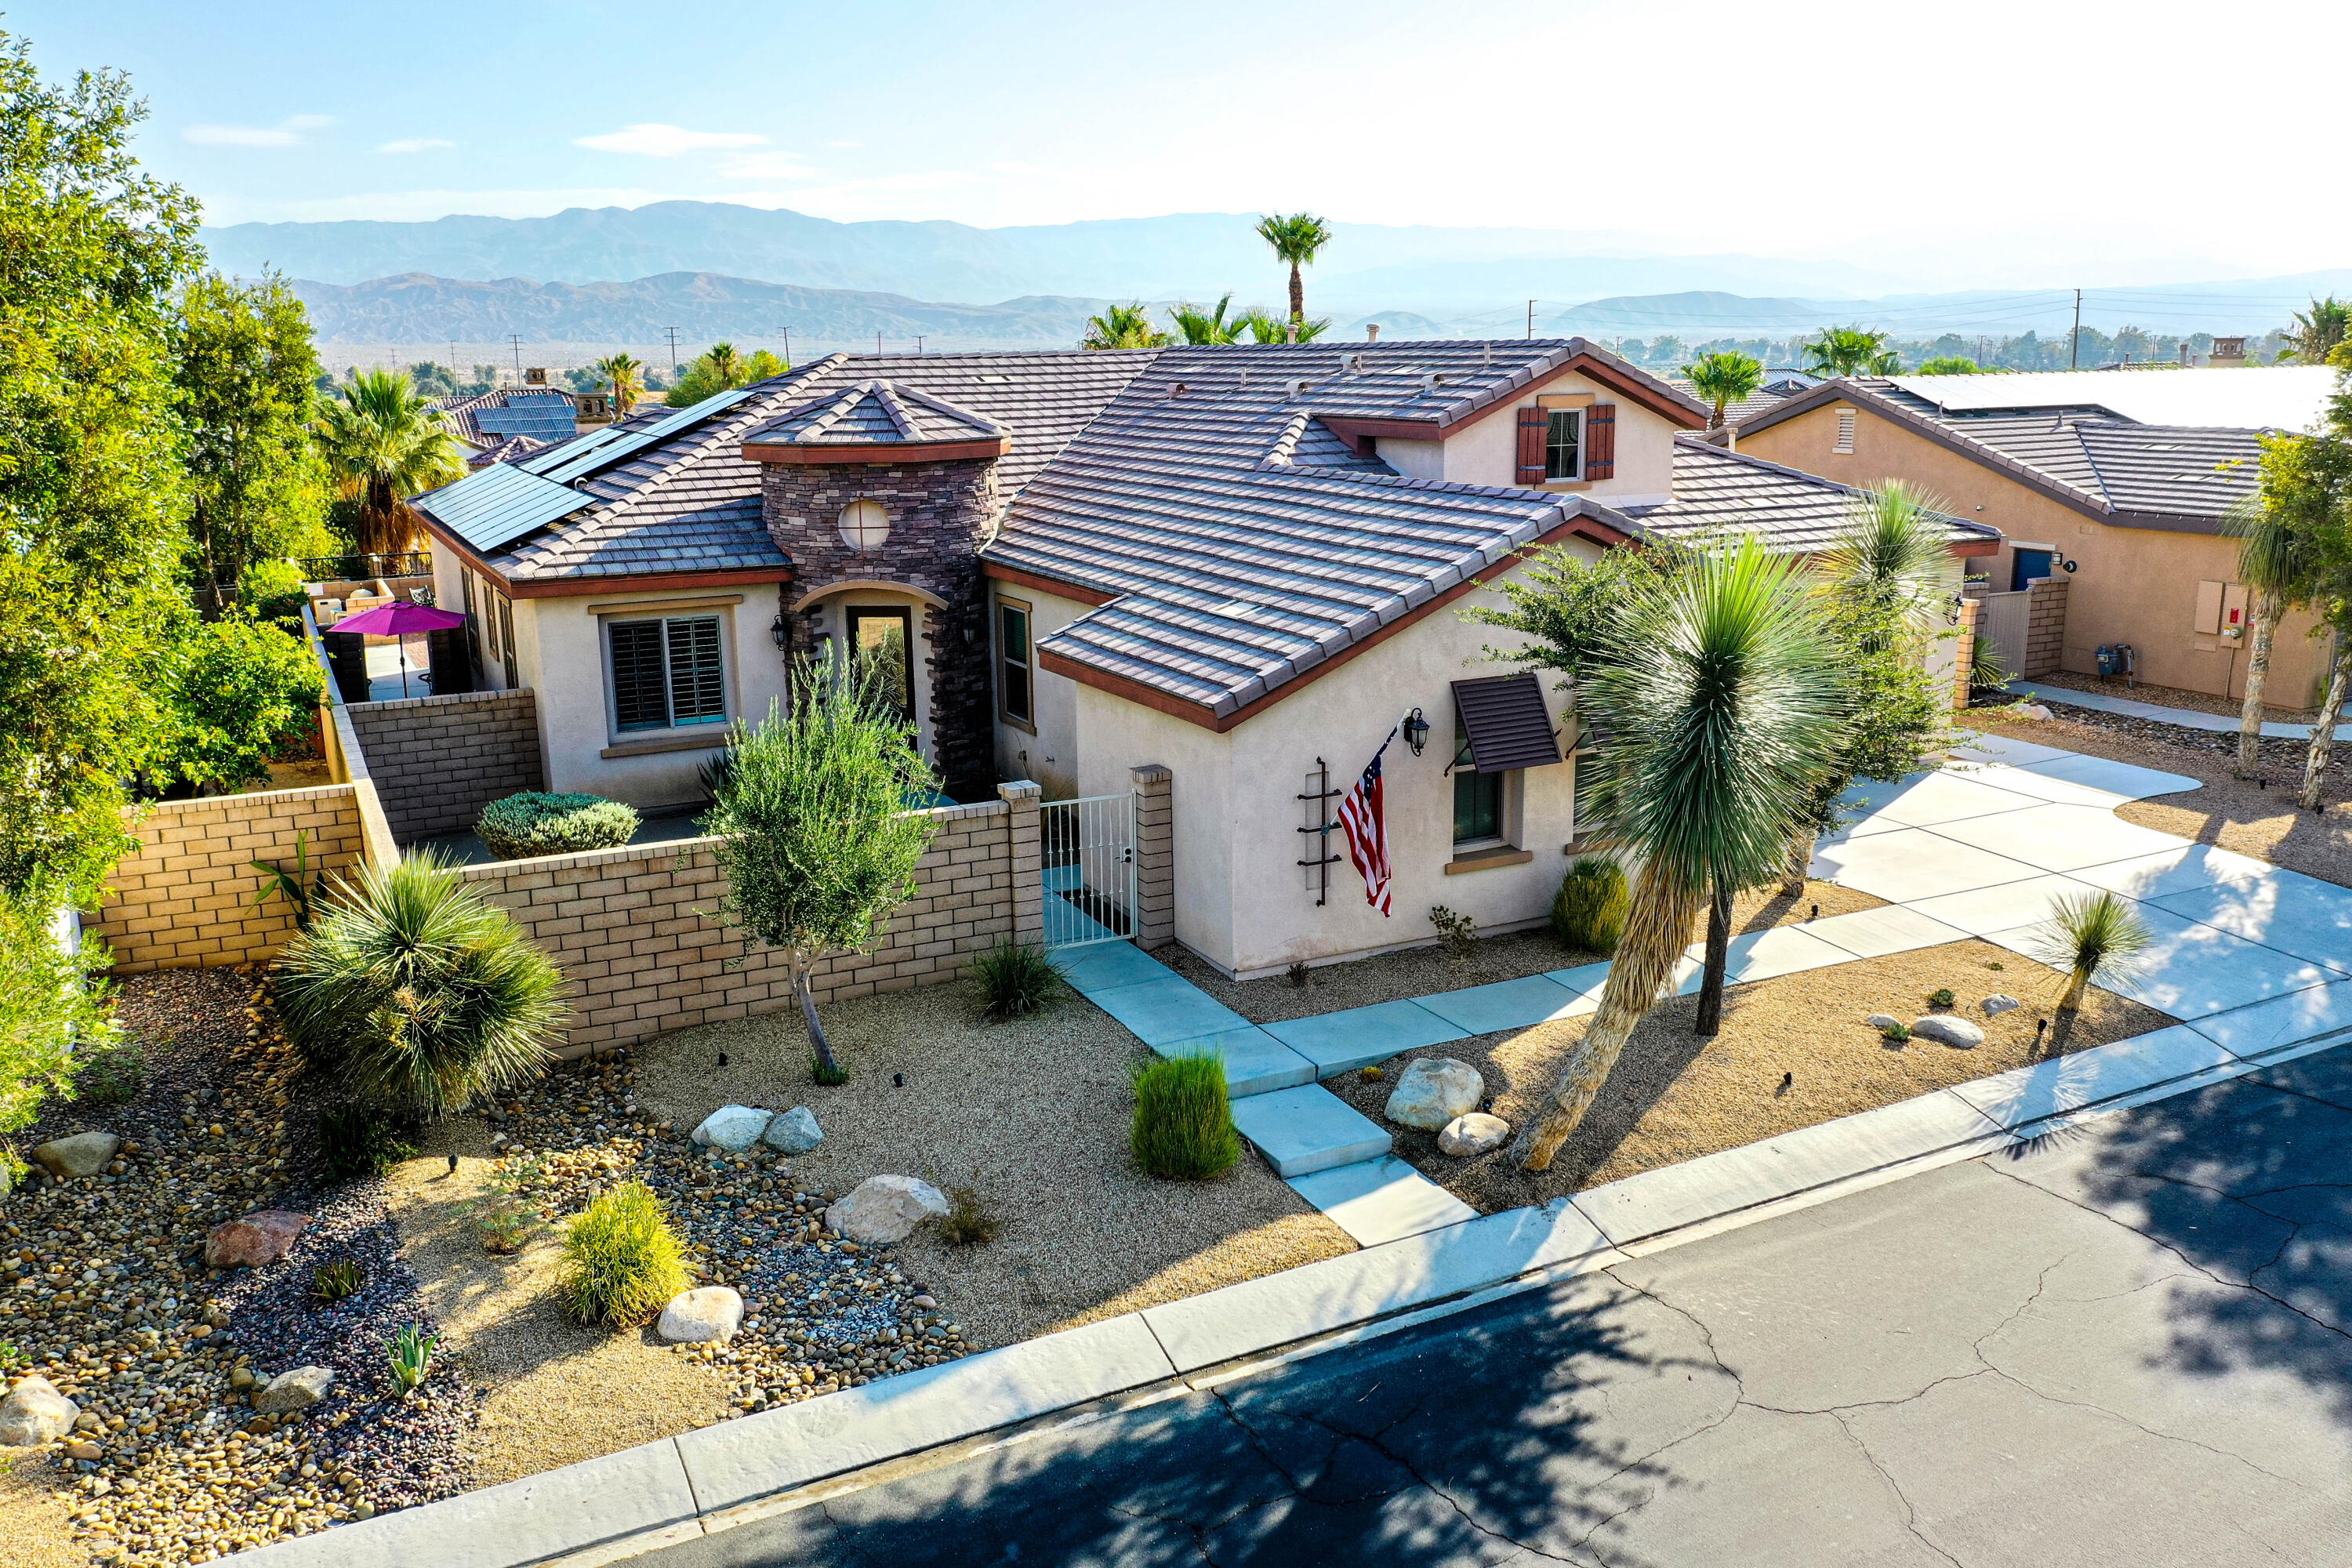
[[1127, 326], [761, 366], [92, 253], [627, 372], [1851, 350], [1949, 365], [1297, 239], [1722, 379], [2279, 530], [1717, 706], [56, 1012], [1206, 328], [815, 837], [385, 444], [2326, 461], [235, 692], [257, 486], [2318, 331]]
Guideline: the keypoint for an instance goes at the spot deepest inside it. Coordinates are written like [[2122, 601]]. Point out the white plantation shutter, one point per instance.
[[697, 682], [639, 701]]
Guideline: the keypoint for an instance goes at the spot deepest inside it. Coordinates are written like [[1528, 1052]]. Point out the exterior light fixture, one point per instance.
[[865, 526], [781, 633], [1416, 732], [2069, 565]]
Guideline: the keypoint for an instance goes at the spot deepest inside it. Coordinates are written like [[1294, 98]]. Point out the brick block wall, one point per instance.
[[636, 934], [437, 761], [1971, 611], [1155, 857], [185, 900], [2046, 627]]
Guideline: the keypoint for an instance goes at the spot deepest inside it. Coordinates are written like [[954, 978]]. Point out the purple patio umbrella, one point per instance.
[[398, 619]]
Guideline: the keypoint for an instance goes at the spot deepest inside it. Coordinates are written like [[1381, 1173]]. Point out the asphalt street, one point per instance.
[[2125, 1344]]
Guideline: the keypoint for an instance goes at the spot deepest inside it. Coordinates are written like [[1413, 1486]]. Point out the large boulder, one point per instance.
[[263, 1237], [83, 1154], [1997, 1004], [1434, 1090], [35, 1413], [733, 1128], [1947, 1030], [1475, 1133], [886, 1209], [295, 1390], [794, 1131], [712, 1312]]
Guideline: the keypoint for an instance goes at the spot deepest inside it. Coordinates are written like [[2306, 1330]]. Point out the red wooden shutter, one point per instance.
[[1535, 430], [1600, 441]]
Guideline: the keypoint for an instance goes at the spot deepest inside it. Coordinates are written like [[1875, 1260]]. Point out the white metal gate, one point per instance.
[[1089, 869], [2001, 624]]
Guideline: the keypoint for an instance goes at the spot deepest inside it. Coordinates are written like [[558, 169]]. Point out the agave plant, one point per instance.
[[2088, 935]]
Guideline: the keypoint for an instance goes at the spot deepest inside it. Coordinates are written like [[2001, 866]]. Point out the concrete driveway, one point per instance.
[[2126, 1344]]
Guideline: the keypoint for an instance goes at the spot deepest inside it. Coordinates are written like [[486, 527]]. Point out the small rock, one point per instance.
[[1882, 1021], [242, 1378], [35, 1413], [1474, 1134], [886, 1209], [794, 1131], [83, 1154], [295, 1390], [733, 1128], [84, 1450], [257, 1238], [1947, 1030], [2036, 710], [1995, 1006], [1432, 1091], [713, 1312]]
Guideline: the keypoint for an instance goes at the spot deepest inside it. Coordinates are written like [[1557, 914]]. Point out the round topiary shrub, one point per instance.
[[1589, 912], [529, 823]]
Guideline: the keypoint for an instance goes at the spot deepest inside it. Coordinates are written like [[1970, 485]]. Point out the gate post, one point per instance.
[[1155, 857], [2046, 627], [1964, 666], [1027, 862]]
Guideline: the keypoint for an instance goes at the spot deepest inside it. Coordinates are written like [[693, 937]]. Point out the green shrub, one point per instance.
[[1459, 934], [2085, 936], [335, 1280], [622, 1261], [272, 590], [1183, 1121], [1016, 980], [1588, 913], [360, 1141], [235, 692], [111, 1073], [1942, 996], [969, 1220], [529, 823], [411, 1355], [1895, 1034], [416, 993], [56, 1011]]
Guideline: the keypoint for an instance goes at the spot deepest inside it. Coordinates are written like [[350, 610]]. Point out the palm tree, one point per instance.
[[1265, 327], [1720, 702], [2279, 560], [1207, 328], [1295, 240], [725, 364], [1851, 350], [624, 372], [384, 444], [2318, 331], [1722, 379], [1127, 326]]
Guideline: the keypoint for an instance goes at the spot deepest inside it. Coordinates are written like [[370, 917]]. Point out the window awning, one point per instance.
[[1507, 721]]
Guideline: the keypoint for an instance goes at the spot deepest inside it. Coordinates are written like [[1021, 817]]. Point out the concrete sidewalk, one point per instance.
[[2187, 718]]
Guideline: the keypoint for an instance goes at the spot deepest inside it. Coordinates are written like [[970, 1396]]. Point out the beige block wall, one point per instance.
[[2132, 585], [437, 761], [186, 899]]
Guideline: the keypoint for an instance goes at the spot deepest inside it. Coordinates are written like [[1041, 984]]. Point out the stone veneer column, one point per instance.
[[1155, 857], [1025, 847]]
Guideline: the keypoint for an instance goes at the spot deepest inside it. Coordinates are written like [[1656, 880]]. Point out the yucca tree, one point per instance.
[[1127, 326], [1880, 577], [384, 444], [1296, 238], [1207, 328], [2278, 529], [1851, 350], [1722, 379], [2085, 936], [416, 993], [627, 372], [1719, 706]]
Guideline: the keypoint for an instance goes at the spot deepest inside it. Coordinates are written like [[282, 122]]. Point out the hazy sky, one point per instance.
[[1982, 143]]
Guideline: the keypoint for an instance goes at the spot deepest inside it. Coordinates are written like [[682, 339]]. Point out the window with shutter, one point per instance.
[[1535, 430], [1600, 441], [1845, 431], [665, 674], [640, 685], [697, 686], [1564, 445]]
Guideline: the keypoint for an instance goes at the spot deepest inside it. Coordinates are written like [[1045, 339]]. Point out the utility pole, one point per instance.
[[918, 342], [788, 348], [516, 339], [877, 341], [673, 349], [2074, 346], [1531, 319]]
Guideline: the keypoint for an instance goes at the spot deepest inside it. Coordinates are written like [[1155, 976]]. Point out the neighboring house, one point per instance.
[[507, 451], [486, 420], [2128, 511], [1243, 565]]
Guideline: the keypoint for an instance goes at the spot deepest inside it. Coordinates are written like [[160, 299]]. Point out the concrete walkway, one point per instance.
[[2187, 718]]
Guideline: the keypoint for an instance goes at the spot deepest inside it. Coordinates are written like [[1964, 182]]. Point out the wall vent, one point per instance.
[[1845, 431]]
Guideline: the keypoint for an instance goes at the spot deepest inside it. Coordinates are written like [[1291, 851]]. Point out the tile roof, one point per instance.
[[875, 413], [544, 412], [506, 451], [1717, 492]]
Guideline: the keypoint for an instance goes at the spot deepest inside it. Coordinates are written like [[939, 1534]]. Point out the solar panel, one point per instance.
[[540, 461], [492, 507], [580, 460]]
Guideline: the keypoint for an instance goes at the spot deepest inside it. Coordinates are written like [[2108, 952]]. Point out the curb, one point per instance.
[[712, 1479]]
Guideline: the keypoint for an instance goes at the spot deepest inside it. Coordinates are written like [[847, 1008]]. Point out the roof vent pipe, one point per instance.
[[1245, 375], [1371, 331], [1486, 354], [1297, 389], [1356, 365], [1176, 389], [1431, 382]]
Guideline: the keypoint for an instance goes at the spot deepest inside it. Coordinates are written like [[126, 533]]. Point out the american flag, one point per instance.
[[1364, 818]]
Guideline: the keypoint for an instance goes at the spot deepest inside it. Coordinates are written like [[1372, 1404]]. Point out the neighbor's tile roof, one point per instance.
[[1720, 492], [506, 451]]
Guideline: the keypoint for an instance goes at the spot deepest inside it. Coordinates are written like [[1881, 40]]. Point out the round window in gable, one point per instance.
[[865, 526]]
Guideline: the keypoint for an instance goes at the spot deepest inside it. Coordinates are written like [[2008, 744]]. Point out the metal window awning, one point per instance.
[[1507, 721]]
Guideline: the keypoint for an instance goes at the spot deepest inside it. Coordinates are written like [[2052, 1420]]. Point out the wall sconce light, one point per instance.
[[1952, 614], [2069, 565], [1416, 732], [781, 633]]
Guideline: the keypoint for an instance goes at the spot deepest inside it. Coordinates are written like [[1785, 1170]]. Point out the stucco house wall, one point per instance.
[[2132, 584], [1046, 750], [1486, 451]]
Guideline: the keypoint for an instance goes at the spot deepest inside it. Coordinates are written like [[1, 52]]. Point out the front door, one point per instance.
[[2028, 566], [883, 640]]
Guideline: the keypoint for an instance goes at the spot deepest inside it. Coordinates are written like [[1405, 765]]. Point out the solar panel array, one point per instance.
[[541, 418], [582, 459], [494, 507]]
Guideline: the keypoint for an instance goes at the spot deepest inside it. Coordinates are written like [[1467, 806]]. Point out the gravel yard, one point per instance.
[[2169, 697], [1674, 1097]]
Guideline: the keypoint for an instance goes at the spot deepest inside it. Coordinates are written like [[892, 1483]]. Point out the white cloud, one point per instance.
[[416, 144], [668, 140], [287, 132]]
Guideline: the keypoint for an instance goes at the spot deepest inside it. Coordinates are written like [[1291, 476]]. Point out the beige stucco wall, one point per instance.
[[1047, 750], [1486, 451], [1242, 901], [2132, 585]]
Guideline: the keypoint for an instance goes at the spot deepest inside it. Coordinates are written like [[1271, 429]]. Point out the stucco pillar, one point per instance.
[[1155, 857], [1026, 851], [1964, 665]]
